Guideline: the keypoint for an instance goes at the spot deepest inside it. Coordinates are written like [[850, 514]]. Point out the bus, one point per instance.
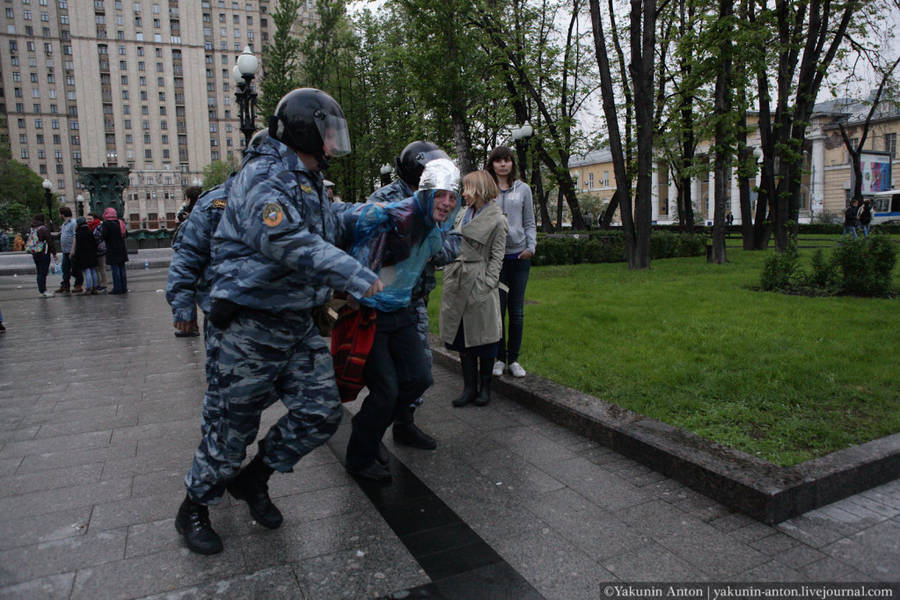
[[885, 207]]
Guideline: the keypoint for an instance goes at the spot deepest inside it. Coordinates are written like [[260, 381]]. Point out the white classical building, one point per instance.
[[827, 181]]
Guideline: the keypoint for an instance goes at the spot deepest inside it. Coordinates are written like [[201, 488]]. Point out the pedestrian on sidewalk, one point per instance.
[[66, 237], [516, 203], [40, 246], [274, 262], [851, 219], [396, 370], [470, 308], [113, 234], [94, 222], [84, 255]]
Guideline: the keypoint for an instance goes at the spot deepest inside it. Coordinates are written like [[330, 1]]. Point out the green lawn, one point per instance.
[[787, 378]]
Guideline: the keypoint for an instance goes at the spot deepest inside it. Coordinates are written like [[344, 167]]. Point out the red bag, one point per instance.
[[351, 342]]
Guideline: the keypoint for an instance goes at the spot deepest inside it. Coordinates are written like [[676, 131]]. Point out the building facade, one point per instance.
[[145, 84], [826, 184]]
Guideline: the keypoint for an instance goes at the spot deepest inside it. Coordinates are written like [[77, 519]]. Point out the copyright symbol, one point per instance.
[[609, 590]]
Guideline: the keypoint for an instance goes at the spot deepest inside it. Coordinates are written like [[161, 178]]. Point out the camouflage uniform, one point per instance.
[[189, 280], [394, 192], [272, 257]]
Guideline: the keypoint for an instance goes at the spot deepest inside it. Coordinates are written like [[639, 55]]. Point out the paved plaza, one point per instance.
[[100, 414]]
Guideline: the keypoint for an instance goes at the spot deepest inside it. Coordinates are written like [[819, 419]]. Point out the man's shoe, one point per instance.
[[77, 289], [408, 434], [47, 294], [516, 370], [61, 290], [373, 472], [251, 486], [499, 367], [192, 522]]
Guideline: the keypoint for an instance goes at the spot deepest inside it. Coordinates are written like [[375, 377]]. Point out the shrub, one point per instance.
[[823, 274], [864, 266], [610, 247], [781, 270]]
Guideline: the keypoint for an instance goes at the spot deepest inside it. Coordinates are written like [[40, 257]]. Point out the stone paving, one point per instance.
[[99, 416]]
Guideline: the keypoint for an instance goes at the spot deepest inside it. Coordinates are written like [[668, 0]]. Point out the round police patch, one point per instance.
[[272, 214]]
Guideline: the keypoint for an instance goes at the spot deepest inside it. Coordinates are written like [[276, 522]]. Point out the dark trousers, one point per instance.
[[396, 373], [42, 267], [70, 270], [515, 275], [120, 283]]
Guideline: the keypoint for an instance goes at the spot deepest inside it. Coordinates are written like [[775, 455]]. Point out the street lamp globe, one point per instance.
[[47, 185], [237, 75], [247, 63]]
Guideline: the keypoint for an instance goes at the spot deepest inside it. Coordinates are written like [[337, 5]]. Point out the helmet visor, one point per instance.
[[423, 158], [335, 134]]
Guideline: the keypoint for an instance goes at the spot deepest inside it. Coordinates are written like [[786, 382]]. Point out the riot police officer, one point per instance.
[[274, 261]]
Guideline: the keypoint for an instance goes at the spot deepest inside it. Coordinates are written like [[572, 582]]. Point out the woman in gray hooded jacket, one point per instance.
[[516, 203]]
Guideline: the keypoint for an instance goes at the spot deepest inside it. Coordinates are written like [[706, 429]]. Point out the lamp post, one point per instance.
[[385, 174], [79, 200], [243, 73], [48, 194]]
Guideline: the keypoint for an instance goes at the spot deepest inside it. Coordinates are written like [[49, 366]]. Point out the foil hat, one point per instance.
[[440, 174]]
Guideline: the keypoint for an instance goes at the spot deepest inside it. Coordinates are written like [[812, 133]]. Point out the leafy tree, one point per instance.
[[217, 172], [280, 59], [21, 194], [642, 42]]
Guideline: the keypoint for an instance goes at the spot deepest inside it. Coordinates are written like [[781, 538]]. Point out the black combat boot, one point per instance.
[[470, 380], [407, 434], [486, 365], [192, 522], [251, 486]]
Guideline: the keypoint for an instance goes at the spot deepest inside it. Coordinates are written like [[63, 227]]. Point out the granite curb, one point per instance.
[[19, 263], [766, 492]]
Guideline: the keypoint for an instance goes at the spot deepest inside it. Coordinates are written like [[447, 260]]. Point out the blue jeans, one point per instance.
[[515, 275], [851, 230], [70, 270], [865, 230], [120, 282], [41, 267]]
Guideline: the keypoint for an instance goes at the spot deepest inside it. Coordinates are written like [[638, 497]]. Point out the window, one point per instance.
[[124, 79], [73, 125], [38, 123], [890, 144]]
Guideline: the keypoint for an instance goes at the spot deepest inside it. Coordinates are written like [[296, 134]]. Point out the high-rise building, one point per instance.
[[140, 83]]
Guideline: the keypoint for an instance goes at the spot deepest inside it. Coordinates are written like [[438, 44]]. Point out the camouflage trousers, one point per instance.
[[258, 358], [422, 330]]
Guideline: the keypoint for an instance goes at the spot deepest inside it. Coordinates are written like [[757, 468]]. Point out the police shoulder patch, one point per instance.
[[219, 203], [272, 214], [305, 189]]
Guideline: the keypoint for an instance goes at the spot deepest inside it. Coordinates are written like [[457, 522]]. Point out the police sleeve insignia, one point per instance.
[[218, 203], [305, 189], [272, 214]]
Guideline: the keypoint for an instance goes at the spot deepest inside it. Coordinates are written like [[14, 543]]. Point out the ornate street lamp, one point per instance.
[[243, 73], [79, 200], [48, 194]]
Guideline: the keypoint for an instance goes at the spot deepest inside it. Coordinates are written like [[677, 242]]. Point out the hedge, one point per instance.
[[610, 247]]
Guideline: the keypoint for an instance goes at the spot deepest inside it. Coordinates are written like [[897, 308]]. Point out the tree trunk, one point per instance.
[[723, 148]]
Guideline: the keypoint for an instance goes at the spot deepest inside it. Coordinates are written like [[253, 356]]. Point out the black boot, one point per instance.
[[251, 485], [407, 434], [192, 522], [486, 366], [470, 380]]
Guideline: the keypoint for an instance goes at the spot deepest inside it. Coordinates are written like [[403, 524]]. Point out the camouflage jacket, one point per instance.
[[399, 190], [274, 247], [189, 280]]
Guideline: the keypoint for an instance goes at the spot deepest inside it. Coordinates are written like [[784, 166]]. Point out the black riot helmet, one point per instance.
[[413, 159], [311, 121]]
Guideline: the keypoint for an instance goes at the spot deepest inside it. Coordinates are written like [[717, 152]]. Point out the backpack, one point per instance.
[[101, 243], [33, 245]]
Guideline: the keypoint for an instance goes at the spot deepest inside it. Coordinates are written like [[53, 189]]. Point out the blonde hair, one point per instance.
[[481, 185]]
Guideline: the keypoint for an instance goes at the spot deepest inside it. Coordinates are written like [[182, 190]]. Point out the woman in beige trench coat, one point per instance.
[[470, 306]]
